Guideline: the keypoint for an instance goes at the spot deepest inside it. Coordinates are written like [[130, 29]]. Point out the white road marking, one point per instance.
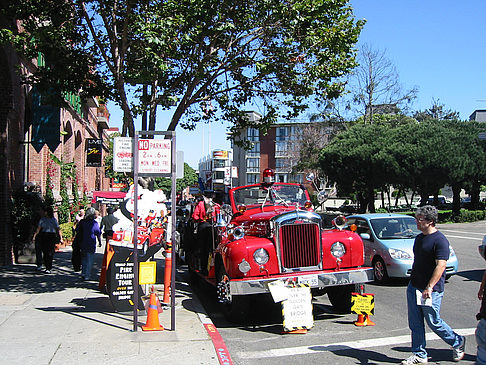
[[359, 344], [464, 232], [464, 237]]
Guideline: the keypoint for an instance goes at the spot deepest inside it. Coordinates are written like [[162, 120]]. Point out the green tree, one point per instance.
[[165, 184], [355, 161], [207, 59]]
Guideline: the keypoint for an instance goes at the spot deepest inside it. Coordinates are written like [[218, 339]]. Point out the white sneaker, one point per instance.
[[414, 359], [47, 271], [459, 351]]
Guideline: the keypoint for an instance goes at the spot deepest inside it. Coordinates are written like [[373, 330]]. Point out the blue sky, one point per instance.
[[438, 46]]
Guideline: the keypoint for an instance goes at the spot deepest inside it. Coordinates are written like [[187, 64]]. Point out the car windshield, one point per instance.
[[276, 194], [395, 228]]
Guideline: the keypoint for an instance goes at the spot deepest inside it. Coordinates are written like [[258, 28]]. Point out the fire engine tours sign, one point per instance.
[[154, 156]]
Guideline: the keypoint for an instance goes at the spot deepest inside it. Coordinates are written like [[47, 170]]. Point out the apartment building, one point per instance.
[[278, 150]]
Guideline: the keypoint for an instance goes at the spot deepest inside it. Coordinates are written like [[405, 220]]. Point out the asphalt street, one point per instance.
[[335, 339]]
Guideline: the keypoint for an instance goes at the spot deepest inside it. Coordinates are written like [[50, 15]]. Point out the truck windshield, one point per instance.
[[277, 194]]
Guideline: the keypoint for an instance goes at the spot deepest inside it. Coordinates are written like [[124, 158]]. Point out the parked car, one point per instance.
[[388, 242], [482, 248], [270, 232]]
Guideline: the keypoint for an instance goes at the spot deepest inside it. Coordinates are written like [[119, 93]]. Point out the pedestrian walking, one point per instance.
[[49, 234], [481, 328], [426, 288], [38, 245], [90, 233], [107, 223], [79, 216]]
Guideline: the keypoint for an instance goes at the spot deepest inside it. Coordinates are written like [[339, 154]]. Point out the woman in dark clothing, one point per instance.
[[90, 234], [48, 231]]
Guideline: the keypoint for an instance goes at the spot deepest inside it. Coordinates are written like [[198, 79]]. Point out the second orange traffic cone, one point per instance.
[[153, 323]]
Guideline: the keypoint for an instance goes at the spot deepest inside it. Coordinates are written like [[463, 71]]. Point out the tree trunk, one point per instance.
[[456, 199], [475, 195]]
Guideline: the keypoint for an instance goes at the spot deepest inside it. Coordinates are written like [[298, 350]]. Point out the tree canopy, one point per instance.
[[206, 59], [419, 157]]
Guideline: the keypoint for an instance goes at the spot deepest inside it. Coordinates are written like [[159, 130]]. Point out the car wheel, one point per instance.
[[235, 307], [379, 268], [340, 297]]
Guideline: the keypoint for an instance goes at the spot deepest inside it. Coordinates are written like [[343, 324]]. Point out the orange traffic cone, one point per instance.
[[167, 273], [369, 322], [153, 323], [364, 320]]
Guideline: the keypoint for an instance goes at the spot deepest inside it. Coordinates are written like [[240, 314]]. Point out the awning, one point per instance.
[[108, 197]]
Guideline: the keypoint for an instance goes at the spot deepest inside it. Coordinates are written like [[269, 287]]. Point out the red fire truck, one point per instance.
[[270, 232]]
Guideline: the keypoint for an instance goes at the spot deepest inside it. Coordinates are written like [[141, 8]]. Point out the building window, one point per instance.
[[255, 149], [281, 178], [281, 163], [253, 165], [252, 178], [217, 164], [282, 133], [281, 149], [218, 175], [253, 134]]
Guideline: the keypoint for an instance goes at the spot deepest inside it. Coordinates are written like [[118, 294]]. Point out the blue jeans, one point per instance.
[[416, 316], [481, 341], [87, 264]]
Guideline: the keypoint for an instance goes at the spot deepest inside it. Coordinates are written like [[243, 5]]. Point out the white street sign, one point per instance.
[[154, 156], [122, 154]]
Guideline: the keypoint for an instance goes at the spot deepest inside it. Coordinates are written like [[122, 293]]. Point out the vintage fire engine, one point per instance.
[[270, 232]]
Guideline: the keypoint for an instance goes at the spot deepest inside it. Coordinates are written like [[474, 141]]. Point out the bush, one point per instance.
[[67, 231], [464, 216]]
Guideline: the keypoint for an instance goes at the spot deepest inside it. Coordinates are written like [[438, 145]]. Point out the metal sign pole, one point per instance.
[[135, 233], [173, 214]]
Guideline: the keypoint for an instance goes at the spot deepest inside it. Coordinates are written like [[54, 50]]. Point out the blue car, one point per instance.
[[388, 244]]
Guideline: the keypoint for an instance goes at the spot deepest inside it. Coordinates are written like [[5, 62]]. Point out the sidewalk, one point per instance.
[[58, 319]]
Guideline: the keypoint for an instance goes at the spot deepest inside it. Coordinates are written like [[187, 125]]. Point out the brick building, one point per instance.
[[277, 149], [20, 163]]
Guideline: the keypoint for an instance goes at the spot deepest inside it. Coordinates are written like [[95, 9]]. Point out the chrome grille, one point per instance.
[[300, 245]]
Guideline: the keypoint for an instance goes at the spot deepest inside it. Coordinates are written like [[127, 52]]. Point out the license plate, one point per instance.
[[310, 280]]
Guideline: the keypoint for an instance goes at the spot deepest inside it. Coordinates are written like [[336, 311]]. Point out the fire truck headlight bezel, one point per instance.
[[261, 256], [244, 266], [338, 249]]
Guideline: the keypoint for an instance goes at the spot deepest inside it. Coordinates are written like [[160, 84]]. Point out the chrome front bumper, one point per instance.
[[324, 279]]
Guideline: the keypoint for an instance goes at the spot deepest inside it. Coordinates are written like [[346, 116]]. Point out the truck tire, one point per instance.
[[234, 307], [340, 297]]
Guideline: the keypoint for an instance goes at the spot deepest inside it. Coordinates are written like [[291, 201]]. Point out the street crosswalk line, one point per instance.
[[358, 344]]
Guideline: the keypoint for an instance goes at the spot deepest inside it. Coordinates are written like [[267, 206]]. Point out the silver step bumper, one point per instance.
[[324, 279]]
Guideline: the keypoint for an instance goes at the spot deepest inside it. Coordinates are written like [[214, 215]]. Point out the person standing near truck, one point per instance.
[[203, 216]]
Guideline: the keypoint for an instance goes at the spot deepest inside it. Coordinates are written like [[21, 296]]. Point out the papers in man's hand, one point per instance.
[[423, 301]]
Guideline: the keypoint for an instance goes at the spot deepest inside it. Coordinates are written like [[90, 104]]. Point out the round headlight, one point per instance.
[[338, 249], [261, 256]]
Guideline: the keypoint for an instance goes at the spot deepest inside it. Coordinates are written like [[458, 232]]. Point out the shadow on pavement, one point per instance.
[[26, 279]]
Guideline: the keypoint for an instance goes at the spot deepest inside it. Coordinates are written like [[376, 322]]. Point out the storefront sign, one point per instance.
[[93, 152]]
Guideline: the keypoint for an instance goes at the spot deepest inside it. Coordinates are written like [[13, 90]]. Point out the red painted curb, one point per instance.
[[219, 345]]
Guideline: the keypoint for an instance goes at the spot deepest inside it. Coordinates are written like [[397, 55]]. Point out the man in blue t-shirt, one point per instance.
[[426, 288]]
